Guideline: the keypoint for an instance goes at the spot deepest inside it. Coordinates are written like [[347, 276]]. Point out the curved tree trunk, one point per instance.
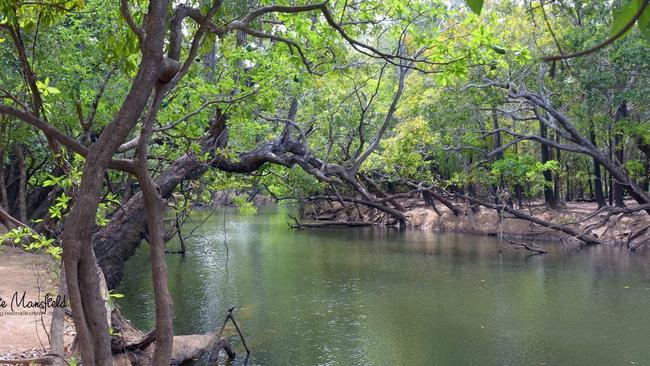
[[88, 308]]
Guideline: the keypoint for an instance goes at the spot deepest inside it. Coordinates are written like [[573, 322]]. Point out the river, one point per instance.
[[381, 296]]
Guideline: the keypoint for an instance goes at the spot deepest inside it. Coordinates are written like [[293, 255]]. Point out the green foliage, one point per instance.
[[32, 241], [440, 132], [525, 171], [245, 207], [475, 5], [404, 154], [625, 13]]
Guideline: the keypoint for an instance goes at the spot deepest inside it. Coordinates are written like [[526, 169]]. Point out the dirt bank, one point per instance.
[[486, 221], [24, 332]]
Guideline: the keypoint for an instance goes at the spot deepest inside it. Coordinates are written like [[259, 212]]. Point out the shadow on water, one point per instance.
[[380, 296]]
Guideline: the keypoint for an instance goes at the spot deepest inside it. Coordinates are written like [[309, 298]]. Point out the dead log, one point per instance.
[[131, 346], [523, 245], [9, 221], [329, 224], [192, 347]]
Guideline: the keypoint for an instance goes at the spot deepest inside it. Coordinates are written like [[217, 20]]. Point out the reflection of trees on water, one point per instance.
[[375, 296]]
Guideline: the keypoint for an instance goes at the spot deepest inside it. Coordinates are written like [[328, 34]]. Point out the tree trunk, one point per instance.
[[127, 227], [645, 149], [496, 144], [549, 196], [4, 201], [164, 317], [22, 184], [597, 180], [155, 206], [88, 308], [557, 188], [618, 189]]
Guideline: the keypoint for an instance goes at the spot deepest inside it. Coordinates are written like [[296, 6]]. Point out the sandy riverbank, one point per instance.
[[485, 221], [24, 332]]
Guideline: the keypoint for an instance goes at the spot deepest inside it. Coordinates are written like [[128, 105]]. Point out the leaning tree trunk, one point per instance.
[[118, 240]]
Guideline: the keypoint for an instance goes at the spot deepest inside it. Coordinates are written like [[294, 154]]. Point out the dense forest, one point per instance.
[[118, 119]]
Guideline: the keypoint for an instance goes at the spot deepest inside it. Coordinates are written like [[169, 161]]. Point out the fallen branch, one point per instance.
[[298, 224], [328, 224], [520, 244], [400, 216], [9, 221]]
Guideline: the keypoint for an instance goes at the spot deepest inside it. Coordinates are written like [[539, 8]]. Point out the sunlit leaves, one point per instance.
[[524, 170], [404, 153], [45, 88], [32, 241]]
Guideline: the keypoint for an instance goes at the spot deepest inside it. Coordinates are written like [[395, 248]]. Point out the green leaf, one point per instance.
[[644, 23], [499, 50], [475, 5], [623, 15]]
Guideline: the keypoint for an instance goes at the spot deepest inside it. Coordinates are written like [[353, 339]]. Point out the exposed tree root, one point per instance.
[[587, 238]]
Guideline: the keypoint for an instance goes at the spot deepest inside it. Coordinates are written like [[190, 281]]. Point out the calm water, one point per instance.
[[370, 296]]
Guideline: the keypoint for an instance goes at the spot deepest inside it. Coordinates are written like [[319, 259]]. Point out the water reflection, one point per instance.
[[380, 296]]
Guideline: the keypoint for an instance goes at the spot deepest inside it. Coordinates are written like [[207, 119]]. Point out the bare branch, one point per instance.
[[128, 17]]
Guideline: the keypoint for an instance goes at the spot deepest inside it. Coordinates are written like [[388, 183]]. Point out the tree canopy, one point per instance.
[[113, 112]]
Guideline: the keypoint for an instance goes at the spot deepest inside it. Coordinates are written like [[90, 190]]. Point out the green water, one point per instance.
[[379, 296]]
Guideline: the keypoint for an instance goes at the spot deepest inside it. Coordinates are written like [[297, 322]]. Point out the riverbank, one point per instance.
[[486, 221], [25, 334]]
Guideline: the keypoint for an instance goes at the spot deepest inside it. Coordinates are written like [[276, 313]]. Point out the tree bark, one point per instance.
[[154, 206], [496, 146], [88, 307], [597, 180], [549, 195], [618, 189], [4, 201], [22, 184]]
